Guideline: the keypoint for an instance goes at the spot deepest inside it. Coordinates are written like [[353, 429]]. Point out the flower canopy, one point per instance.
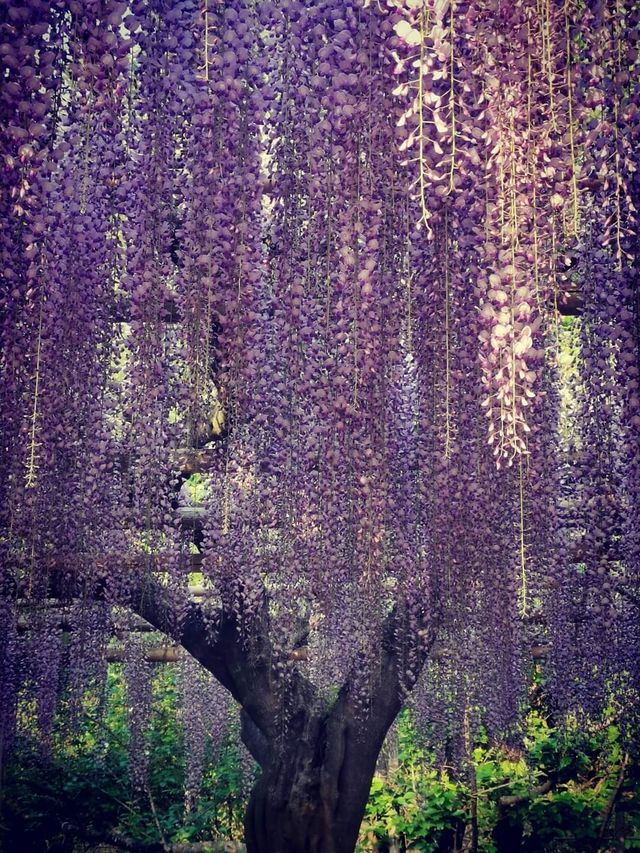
[[330, 247]]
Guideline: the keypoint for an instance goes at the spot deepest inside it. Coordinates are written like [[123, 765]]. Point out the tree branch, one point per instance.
[[615, 794], [254, 739], [510, 801], [215, 640]]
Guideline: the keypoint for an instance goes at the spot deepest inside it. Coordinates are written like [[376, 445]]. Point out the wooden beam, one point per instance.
[[141, 563], [569, 304], [193, 514], [190, 461], [154, 654], [118, 841], [172, 653], [196, 591]]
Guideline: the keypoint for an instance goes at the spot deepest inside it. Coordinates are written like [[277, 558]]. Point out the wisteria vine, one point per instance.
[[327, 245]]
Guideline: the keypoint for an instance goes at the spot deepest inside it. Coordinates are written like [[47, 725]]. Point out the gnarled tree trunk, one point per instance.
[[317, 761], [315, 780]]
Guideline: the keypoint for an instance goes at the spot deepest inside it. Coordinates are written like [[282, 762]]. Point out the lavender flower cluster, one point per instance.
[[342, 232]]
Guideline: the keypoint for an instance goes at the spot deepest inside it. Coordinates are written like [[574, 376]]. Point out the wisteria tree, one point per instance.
[[320, 250]]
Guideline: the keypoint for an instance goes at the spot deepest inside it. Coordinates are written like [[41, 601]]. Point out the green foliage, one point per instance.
[[560, 784], [413, 803], [553, 795], [81, 792]]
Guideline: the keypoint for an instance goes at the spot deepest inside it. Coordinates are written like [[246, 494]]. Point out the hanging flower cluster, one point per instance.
[[594, 608], [490, 97], [205, 717], [327, 243], [138, 681]]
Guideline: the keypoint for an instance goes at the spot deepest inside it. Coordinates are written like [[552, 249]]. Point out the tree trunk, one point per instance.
[[315, 784], [508, 832], [317, 762]]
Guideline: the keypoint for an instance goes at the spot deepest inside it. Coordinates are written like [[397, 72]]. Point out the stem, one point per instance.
[[452, 99], [84, 185], [357, 299], [616, 108], [532, 176], [447, 332], [206, 40], [226, 512], [572, 145], [613, 799], [154, 812], [545, 28], [424, 212], [32, 464], [473, 783], [409, 314], [328, 252], [523, 560], [513, 217]]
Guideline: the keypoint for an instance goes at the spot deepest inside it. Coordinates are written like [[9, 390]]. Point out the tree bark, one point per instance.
[[317, 761], [508, 832], [316, 773], [315, 781]]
